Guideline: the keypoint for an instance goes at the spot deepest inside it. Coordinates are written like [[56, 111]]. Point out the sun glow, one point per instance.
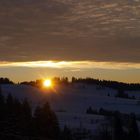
[[47, 83], [72, 65]]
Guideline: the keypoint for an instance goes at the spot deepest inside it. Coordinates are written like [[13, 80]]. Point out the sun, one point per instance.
[[47, 83]]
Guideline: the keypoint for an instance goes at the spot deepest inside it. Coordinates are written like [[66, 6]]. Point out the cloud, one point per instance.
[[74, 65], [66, 29]]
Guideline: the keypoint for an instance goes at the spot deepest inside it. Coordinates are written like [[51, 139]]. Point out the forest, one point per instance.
[[89, 81]]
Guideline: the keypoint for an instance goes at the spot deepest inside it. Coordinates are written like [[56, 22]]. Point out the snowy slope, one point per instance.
[[72, 102]]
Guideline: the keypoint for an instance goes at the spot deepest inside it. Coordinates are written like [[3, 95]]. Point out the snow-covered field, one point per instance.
[[70, 103]]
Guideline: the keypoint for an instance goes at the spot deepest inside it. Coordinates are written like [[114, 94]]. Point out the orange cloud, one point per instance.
[[72, 64]]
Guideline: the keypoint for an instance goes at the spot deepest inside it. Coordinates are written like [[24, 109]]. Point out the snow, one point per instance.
[[70, 103]]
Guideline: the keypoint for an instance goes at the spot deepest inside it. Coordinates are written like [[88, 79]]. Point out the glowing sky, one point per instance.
[[60, 37]]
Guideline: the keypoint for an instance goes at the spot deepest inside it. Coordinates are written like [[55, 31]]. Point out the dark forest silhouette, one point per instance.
[[88, 81], [17, 120]]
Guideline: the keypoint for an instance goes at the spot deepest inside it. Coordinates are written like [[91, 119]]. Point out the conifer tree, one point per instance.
[[18, 115], [66, 134], [46, 122], [2, 112], [26, 117], [117, 127], [36, 122], [133, 128]]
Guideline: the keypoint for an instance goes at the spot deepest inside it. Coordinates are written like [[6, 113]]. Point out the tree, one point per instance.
[[104, 133], [36, 122], [9, 105], [10, 117], [0, 90], [2, 101], [18, 116], [50, 121], [26, 117], [45, 122], [16, 119], [66, 134], [73, 79], [2, 112], [5, 81], [117, 127], [133, 133]]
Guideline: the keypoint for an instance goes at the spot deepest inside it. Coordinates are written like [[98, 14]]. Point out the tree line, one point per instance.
[[88, 81], [107, 83], [119, 126], [17, 119]]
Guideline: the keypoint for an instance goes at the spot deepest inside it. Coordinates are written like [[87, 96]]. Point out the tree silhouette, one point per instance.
[[16, 120], [36, 126], [45, 122], [133, 128], [26, 117], [2, 113], [117, 127], [66, 134]]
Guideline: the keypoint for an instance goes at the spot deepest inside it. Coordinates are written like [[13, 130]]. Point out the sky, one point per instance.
[[82, 38]]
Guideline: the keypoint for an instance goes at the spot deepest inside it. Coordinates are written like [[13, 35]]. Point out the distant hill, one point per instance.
[[110, 84], [88, 81]]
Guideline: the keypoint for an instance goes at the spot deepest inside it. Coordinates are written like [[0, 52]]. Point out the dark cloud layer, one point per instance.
[[70, 30]]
